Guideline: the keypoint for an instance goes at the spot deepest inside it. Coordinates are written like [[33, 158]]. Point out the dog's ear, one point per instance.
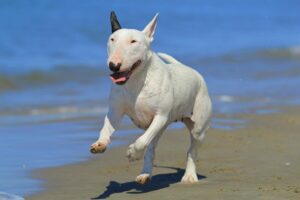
[[150, 28], [115, 25]]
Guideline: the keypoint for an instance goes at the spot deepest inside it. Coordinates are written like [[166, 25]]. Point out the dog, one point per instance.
[[154, 90]]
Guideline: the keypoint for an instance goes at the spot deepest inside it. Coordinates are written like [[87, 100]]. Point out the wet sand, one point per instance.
[[260, 161]]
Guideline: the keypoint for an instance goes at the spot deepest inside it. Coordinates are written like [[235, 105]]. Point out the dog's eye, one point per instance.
[[133, 41], [112, 39]]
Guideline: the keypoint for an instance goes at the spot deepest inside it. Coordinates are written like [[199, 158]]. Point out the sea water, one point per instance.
[[54, 80]]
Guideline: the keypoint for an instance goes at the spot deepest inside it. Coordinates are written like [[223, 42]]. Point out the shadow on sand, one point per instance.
[[158, 182]]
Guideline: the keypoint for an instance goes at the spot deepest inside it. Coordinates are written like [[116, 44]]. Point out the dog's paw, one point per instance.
[[189, 179], [143, 179], [133, 154], [98, 147]]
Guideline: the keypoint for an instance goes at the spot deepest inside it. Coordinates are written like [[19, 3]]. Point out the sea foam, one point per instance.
[[6, 196]]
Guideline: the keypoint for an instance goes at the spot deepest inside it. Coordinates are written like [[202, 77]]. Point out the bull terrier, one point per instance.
[[154, 90]]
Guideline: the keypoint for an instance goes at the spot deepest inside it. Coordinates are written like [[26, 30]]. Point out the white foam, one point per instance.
[[67, 110], [295, 50], [226, 98], [6, 196]]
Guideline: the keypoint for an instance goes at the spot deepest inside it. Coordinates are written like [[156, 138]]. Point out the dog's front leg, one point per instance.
[[111, 123], [137, 149]]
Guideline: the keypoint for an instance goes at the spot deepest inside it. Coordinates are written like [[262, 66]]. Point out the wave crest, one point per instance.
[[6, 196], [10, 81]]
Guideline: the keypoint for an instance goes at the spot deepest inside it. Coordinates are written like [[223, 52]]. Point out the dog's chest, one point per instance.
[[140, 110]]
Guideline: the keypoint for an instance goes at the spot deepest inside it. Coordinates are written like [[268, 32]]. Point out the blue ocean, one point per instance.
[[54, 82]]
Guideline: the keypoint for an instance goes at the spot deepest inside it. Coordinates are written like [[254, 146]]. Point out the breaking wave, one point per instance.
[[280, 53], [263, 54], [6, 196], [11, 81]]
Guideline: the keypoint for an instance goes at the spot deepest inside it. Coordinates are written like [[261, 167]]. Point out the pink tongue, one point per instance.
[[116, 80]]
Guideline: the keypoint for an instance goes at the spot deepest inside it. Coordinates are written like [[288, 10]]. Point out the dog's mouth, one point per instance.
[[121, 78]]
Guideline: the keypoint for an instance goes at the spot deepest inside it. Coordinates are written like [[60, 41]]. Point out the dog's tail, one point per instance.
[[168, 58]]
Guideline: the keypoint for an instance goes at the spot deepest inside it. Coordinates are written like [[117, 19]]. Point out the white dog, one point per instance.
[[153, 94]]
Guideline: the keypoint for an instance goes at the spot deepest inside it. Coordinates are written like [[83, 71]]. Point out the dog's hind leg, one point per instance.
[[149, 156], [190, 175], [197, 126]]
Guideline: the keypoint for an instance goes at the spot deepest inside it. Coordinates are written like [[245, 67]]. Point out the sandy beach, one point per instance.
[[259, 161]]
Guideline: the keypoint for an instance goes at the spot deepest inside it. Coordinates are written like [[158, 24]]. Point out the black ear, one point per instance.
[[115, 25]]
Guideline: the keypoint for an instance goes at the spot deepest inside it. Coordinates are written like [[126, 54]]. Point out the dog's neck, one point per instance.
[[136, 83]]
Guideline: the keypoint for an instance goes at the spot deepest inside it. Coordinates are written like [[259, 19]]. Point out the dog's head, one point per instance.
[[127, 49]]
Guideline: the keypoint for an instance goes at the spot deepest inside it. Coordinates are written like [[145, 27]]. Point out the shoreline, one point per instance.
[[257, 161]]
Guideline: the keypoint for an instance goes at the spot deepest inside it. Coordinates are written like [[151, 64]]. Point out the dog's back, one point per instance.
[[189, 87]]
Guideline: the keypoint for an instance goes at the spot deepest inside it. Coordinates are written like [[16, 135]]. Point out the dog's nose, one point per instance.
[[114, 67]]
